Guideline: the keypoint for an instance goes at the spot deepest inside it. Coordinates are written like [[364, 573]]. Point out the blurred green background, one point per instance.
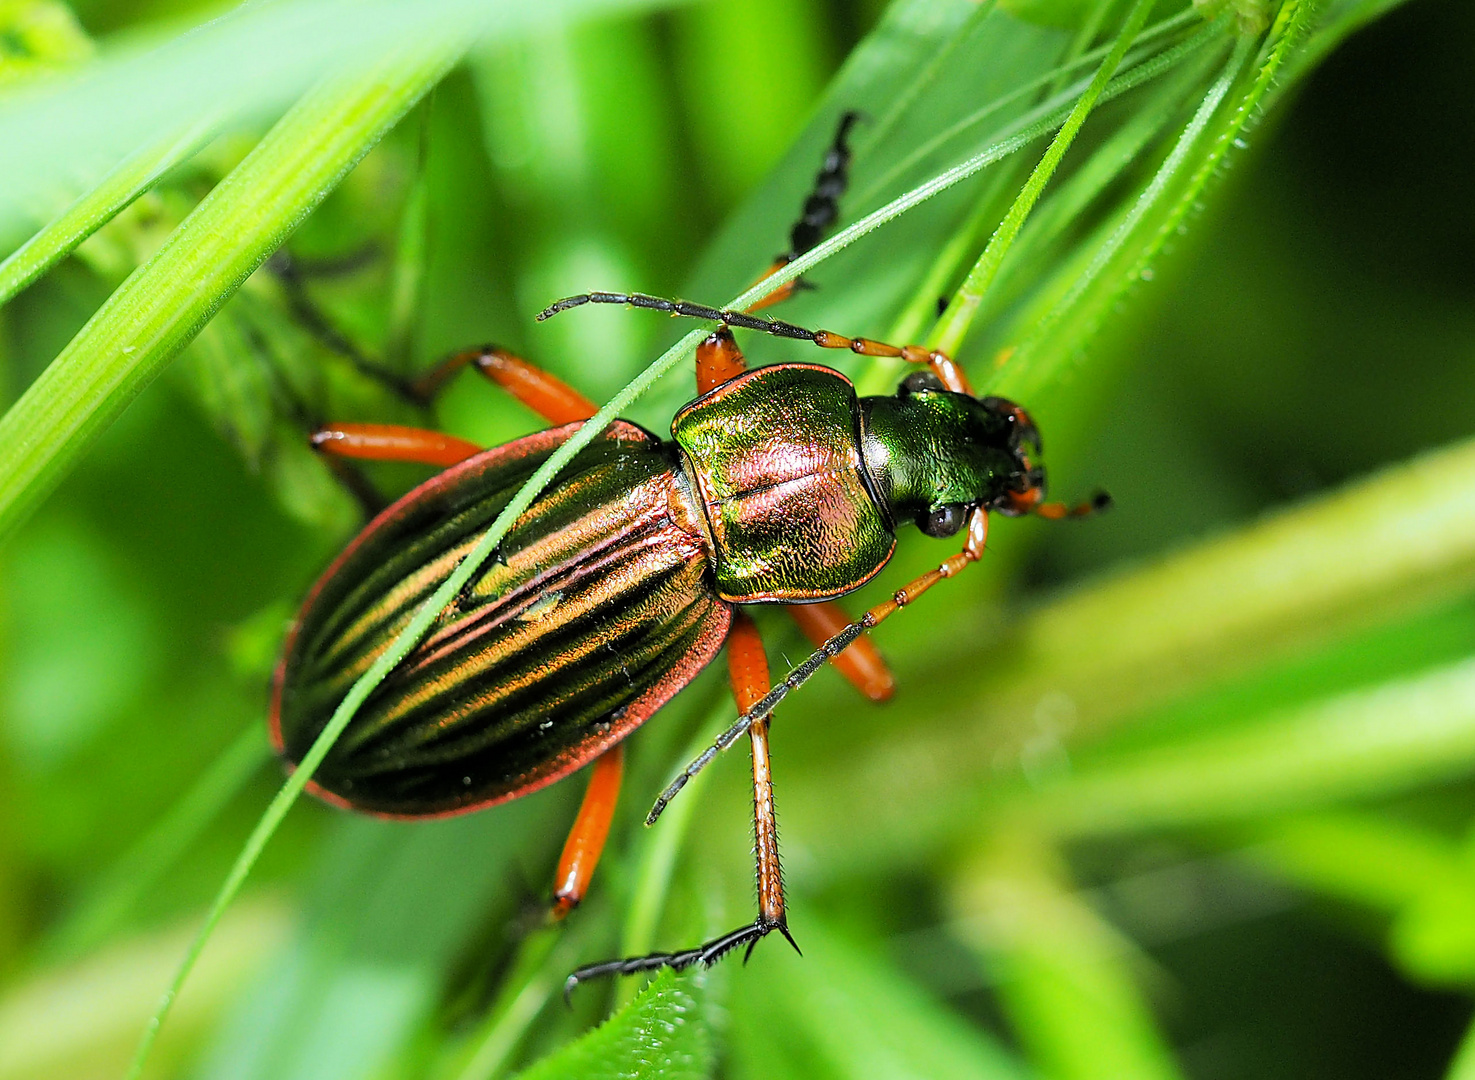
[[1313, 324]]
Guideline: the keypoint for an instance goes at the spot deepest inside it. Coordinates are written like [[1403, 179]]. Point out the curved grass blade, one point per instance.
[[1067, 980], [543, 960], [94, 209], [292, 169], [955, 321], [164, 303]]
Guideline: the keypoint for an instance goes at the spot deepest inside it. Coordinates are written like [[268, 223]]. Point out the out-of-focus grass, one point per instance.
[[1021, 838]]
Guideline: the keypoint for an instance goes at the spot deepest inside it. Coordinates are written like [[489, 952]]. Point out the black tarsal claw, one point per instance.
[[706, 955]]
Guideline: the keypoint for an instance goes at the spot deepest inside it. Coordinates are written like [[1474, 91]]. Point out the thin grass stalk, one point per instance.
[[140, 328], [293, 168], [1291, 25], [95, 208], [948, 335]]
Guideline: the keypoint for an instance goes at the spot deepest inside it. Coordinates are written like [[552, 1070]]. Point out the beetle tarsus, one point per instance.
[[706, 955]]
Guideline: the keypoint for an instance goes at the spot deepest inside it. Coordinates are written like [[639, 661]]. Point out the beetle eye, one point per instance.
[[943, 521], [919, 380]]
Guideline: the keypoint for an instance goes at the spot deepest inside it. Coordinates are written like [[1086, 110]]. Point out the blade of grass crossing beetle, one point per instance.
[[137, 333]]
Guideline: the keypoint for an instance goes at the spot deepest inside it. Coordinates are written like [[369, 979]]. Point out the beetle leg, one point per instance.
[[861, 664], [747, 667], [547, 395], [390, 442], [821, 209], [973, 548], [586, 839], [948, 373], [292, 273], [718, 359]]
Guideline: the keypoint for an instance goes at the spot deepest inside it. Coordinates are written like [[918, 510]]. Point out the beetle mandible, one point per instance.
[[628, 574]]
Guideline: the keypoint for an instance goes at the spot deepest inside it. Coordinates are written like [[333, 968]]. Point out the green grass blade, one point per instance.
[[543, 960], [165, 302], [1463, 1066], [94, 209], [956, 320], [141, 327], [664, 1034], [1060, 91]]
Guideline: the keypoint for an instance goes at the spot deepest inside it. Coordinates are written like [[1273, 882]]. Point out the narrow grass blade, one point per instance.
[[165, 302], [1064, 977], [958, 317], [658, 864], [94, 209], [141, 327]]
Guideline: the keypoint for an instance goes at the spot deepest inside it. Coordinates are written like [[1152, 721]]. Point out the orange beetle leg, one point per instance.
[[390, 442], [591, 828], [718, 360], [547, 395]]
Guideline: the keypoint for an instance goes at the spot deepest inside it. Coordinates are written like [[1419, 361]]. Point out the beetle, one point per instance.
[[630, 572]]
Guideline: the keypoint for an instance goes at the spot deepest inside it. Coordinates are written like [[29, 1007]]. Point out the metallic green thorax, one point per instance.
[[930, 448], [774, 456]]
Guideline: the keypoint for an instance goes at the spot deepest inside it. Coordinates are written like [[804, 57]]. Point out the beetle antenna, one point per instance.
[[825, 339], [795, 679]]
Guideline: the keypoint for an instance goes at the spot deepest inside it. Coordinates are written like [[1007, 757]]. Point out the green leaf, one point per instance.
[[664, 1034], [115, 191], [166, 301]]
